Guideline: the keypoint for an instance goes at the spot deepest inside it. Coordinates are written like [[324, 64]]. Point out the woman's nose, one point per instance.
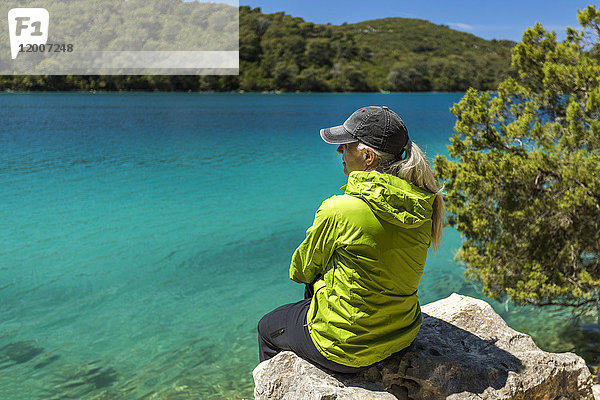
[[340, 149]]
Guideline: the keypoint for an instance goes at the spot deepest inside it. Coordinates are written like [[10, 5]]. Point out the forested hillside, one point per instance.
[[397, 54], [279, 52]]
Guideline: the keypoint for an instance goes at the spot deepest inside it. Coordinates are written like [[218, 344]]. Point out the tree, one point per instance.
[[452, 73], [284, 75], [319, 52], [349, 77], [523, 180], [313, 80], [408, 76]]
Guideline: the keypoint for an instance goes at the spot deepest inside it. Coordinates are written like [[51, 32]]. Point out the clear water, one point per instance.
[[142, 236]]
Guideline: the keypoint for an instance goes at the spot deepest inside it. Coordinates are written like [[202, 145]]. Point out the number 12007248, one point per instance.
[[42, 48]]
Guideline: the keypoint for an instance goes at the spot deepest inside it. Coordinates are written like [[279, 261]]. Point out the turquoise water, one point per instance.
[[144, 235]]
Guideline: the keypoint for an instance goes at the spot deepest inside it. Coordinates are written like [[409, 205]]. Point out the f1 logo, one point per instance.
[[27, 26]]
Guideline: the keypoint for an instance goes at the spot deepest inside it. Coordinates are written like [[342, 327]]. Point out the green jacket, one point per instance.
[[371, 243]]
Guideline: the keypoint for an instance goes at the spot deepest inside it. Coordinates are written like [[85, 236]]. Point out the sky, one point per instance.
[[505, 19]]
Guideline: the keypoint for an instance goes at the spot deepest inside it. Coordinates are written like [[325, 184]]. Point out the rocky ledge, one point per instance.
[[463, 351]]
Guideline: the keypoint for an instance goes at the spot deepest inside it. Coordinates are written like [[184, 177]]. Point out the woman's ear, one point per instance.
[[369, 157]]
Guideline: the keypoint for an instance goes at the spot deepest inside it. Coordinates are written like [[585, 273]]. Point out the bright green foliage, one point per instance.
[[523, 178]]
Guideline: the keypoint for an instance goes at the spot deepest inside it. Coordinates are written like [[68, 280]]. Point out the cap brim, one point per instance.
[[337, 135]]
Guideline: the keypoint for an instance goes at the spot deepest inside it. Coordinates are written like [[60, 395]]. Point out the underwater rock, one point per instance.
[[18, 353], [83, 381], [46, 361], [463, 351]]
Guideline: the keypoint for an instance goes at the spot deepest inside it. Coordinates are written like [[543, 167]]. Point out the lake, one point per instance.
[[143, 235]]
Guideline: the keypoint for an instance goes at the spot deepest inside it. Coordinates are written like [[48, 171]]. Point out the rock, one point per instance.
[[463, 351]]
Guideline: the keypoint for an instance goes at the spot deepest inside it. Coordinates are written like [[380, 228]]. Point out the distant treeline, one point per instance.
[[279, 52]]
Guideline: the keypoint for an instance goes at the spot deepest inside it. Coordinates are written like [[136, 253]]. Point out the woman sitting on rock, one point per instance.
[[363, 257]]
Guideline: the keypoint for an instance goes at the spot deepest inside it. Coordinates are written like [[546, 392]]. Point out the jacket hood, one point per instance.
[[392, 199]]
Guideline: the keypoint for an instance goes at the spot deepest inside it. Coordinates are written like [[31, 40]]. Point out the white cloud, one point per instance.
[[460, 25]]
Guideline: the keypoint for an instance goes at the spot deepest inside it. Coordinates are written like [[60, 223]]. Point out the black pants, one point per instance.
[[285, 329]]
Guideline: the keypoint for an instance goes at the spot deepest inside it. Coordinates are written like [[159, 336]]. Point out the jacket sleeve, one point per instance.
[[313, 254]]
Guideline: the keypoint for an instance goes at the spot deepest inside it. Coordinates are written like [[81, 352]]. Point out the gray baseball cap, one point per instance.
[[376, 126]]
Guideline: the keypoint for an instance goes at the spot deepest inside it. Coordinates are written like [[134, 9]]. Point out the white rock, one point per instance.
[[463, 351]]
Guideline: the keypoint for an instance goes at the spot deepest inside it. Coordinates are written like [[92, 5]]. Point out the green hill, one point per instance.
[[279, 52], [416, 51]]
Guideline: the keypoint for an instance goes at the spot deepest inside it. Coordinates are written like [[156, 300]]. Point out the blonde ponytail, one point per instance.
[[415, 168]]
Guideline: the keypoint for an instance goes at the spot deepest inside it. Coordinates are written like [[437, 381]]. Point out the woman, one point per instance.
[[363, 257]]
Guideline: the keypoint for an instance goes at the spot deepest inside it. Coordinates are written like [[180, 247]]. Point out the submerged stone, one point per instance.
[[20, 352]]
